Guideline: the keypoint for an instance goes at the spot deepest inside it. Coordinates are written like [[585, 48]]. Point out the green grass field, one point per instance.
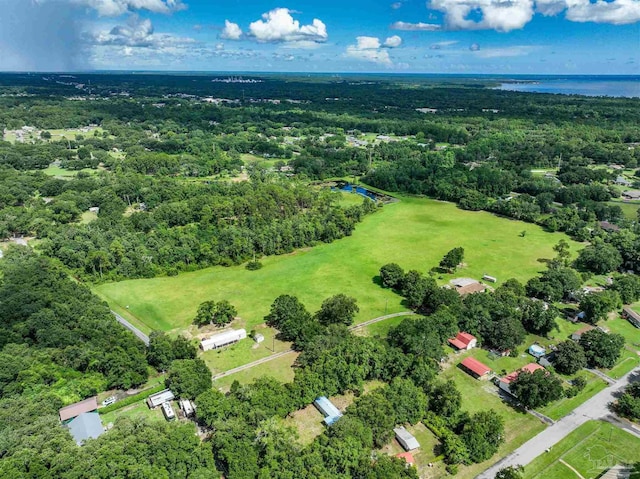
[[591, 449], [481, 396], [630, 210], [415, 233], [381, 329], [279, 368]]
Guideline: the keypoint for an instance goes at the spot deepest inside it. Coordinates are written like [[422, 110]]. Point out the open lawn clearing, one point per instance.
[[481, 396], [308, 423], [250, 159], [591, 449], [88, 217], [623, 327], [58, 172], [243, 352], [279, 368], [627, 362], [381, 328], [137, 410], [425, 455], [564, 406], [629, 209], [415, 233]]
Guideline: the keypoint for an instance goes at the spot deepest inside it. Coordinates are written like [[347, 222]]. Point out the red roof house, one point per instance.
[[509, 378], [476, 368], [463, 341], [407, 456], [74, 410]]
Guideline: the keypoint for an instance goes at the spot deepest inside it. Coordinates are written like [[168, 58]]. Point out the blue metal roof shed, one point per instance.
[[329, 411]]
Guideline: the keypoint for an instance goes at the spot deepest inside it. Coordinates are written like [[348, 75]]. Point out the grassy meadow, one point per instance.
[[591, 450], [415, 233]]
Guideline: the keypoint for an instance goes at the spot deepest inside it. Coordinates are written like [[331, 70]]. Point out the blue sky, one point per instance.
[[432, 36]]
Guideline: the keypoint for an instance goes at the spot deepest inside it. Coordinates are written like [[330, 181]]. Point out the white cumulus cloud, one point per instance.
[[113, 8], [617, 12], [231, 31], [279, 26], [393, 42], [369, 49], [508, 15], [137, 33], [500, 15]]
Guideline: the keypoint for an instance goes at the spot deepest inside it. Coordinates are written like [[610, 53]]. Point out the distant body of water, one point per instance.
[[589, 86]]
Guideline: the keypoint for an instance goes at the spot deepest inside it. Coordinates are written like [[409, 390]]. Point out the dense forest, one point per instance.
[[110, 177]]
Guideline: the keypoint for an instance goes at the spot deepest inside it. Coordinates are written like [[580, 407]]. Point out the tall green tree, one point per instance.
[[536, 389], [338, 309], [569, 357], [602, 349], [452, 259], [188, 378]]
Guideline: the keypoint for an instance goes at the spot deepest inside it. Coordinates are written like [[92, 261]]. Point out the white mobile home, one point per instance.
[[160, 398], [223, 339], [168, 412], [187, 407]]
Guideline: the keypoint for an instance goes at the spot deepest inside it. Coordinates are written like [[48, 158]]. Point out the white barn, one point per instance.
[[223, 339]]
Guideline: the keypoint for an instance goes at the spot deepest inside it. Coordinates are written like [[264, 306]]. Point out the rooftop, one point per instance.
[[462, 340], [74, 410], [530, 368], [408, 457], [476, 366], [86, 425]]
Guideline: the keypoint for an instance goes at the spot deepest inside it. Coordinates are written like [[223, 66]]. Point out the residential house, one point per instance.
[[160, 398], [74, 410], [223, 339], [509, 378], [85, 426], [463, 341], [406, 439]]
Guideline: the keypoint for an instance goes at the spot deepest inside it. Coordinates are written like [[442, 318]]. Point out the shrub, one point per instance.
[[254, 265]]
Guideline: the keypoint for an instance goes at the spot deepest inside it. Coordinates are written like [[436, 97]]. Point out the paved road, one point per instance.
[[594, 408], [143, 337]]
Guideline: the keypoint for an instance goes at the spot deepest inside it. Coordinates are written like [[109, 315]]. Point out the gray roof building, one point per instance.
[[406, 439], [86, 425]]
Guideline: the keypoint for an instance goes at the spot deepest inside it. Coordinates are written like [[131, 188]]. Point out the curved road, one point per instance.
[[594, 408]]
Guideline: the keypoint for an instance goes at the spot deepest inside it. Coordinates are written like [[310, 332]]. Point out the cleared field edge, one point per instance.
[[426, 214], [124, 312], [616, 438]]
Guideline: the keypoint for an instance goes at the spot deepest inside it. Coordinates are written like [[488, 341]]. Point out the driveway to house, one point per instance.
[[594, 408]]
